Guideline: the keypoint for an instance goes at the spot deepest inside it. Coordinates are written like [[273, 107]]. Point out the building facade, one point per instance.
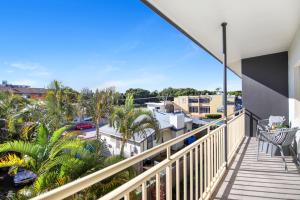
[[24, 91], [171, 126], [200, 106]]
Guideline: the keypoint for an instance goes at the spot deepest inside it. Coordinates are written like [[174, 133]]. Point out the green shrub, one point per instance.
[[213, 116]]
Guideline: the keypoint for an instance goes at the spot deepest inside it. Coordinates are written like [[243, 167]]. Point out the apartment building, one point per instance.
[[200, 106], [24, 90]]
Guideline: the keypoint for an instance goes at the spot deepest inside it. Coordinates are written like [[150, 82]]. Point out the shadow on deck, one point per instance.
[[248, 178]]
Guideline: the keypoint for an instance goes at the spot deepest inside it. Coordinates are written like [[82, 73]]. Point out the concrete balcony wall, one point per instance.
[[265, 88], [294, 84]]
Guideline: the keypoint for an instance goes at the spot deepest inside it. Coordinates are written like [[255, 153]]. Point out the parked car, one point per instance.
[[84, 125]]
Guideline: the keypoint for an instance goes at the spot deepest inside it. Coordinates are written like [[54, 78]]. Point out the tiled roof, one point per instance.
[[23, 90], [31, 90]]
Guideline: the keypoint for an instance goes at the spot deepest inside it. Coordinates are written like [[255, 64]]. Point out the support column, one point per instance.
[[224, 24]]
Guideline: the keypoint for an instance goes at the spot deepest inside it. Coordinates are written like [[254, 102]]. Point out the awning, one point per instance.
[[255, 27]]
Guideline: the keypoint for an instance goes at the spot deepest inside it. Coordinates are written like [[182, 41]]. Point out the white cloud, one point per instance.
[[33, 69], [24, 65], [28, 82]]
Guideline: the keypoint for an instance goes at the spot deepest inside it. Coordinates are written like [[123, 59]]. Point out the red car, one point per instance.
[[84, 125]]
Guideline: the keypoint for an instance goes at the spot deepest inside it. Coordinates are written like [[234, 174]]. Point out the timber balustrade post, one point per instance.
[[169, 177]]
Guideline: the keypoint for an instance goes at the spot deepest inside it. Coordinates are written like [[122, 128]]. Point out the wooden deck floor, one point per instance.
[[264, 179]]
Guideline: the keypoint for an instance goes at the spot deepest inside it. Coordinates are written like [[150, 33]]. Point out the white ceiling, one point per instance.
[[255, 27]]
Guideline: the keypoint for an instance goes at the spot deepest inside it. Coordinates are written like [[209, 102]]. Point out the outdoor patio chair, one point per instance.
[[266, 124], [279, 138]]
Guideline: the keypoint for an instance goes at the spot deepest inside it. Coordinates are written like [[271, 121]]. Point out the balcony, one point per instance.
[[208, 149], [248, 178], [199, 170]]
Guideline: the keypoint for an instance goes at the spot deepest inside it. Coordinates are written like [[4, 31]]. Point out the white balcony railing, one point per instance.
[[190, 173]]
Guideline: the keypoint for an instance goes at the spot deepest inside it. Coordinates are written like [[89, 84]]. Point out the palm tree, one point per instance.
[[102, 104], [85, 105], [54, 158], [218, 90], [23, 123], [130, 121], [60, 107], [10, 103], [11, 107]]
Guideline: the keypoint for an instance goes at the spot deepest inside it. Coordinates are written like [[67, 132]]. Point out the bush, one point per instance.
[[213, 116]]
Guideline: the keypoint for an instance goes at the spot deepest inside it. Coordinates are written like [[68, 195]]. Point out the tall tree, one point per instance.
[[140, 95], [60, 106], [102, 105], [130, 121], [10, 103], [85, 105], [15, 115]]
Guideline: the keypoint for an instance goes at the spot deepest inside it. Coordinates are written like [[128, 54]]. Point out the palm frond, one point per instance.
[[73, 167], [11, 160], [27, 131], [59, 161], [48, 181], [146, 124], [57, 134], [42, 135], [70, 146], [129, 104], [22, 147]]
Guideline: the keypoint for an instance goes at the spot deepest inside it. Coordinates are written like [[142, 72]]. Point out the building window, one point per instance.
[[193, 109], [194, 100], [204, 100], [204, 109]]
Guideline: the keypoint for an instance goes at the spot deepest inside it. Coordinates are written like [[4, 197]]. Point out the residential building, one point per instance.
[[158, 106], [23, 90], [262, 39], [171, 126], [200, 106]]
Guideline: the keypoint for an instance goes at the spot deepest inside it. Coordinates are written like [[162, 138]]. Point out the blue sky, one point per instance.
[[100, 43]]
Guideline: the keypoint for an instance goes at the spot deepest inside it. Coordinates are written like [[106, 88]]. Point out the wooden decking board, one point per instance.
[[265, 179]]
